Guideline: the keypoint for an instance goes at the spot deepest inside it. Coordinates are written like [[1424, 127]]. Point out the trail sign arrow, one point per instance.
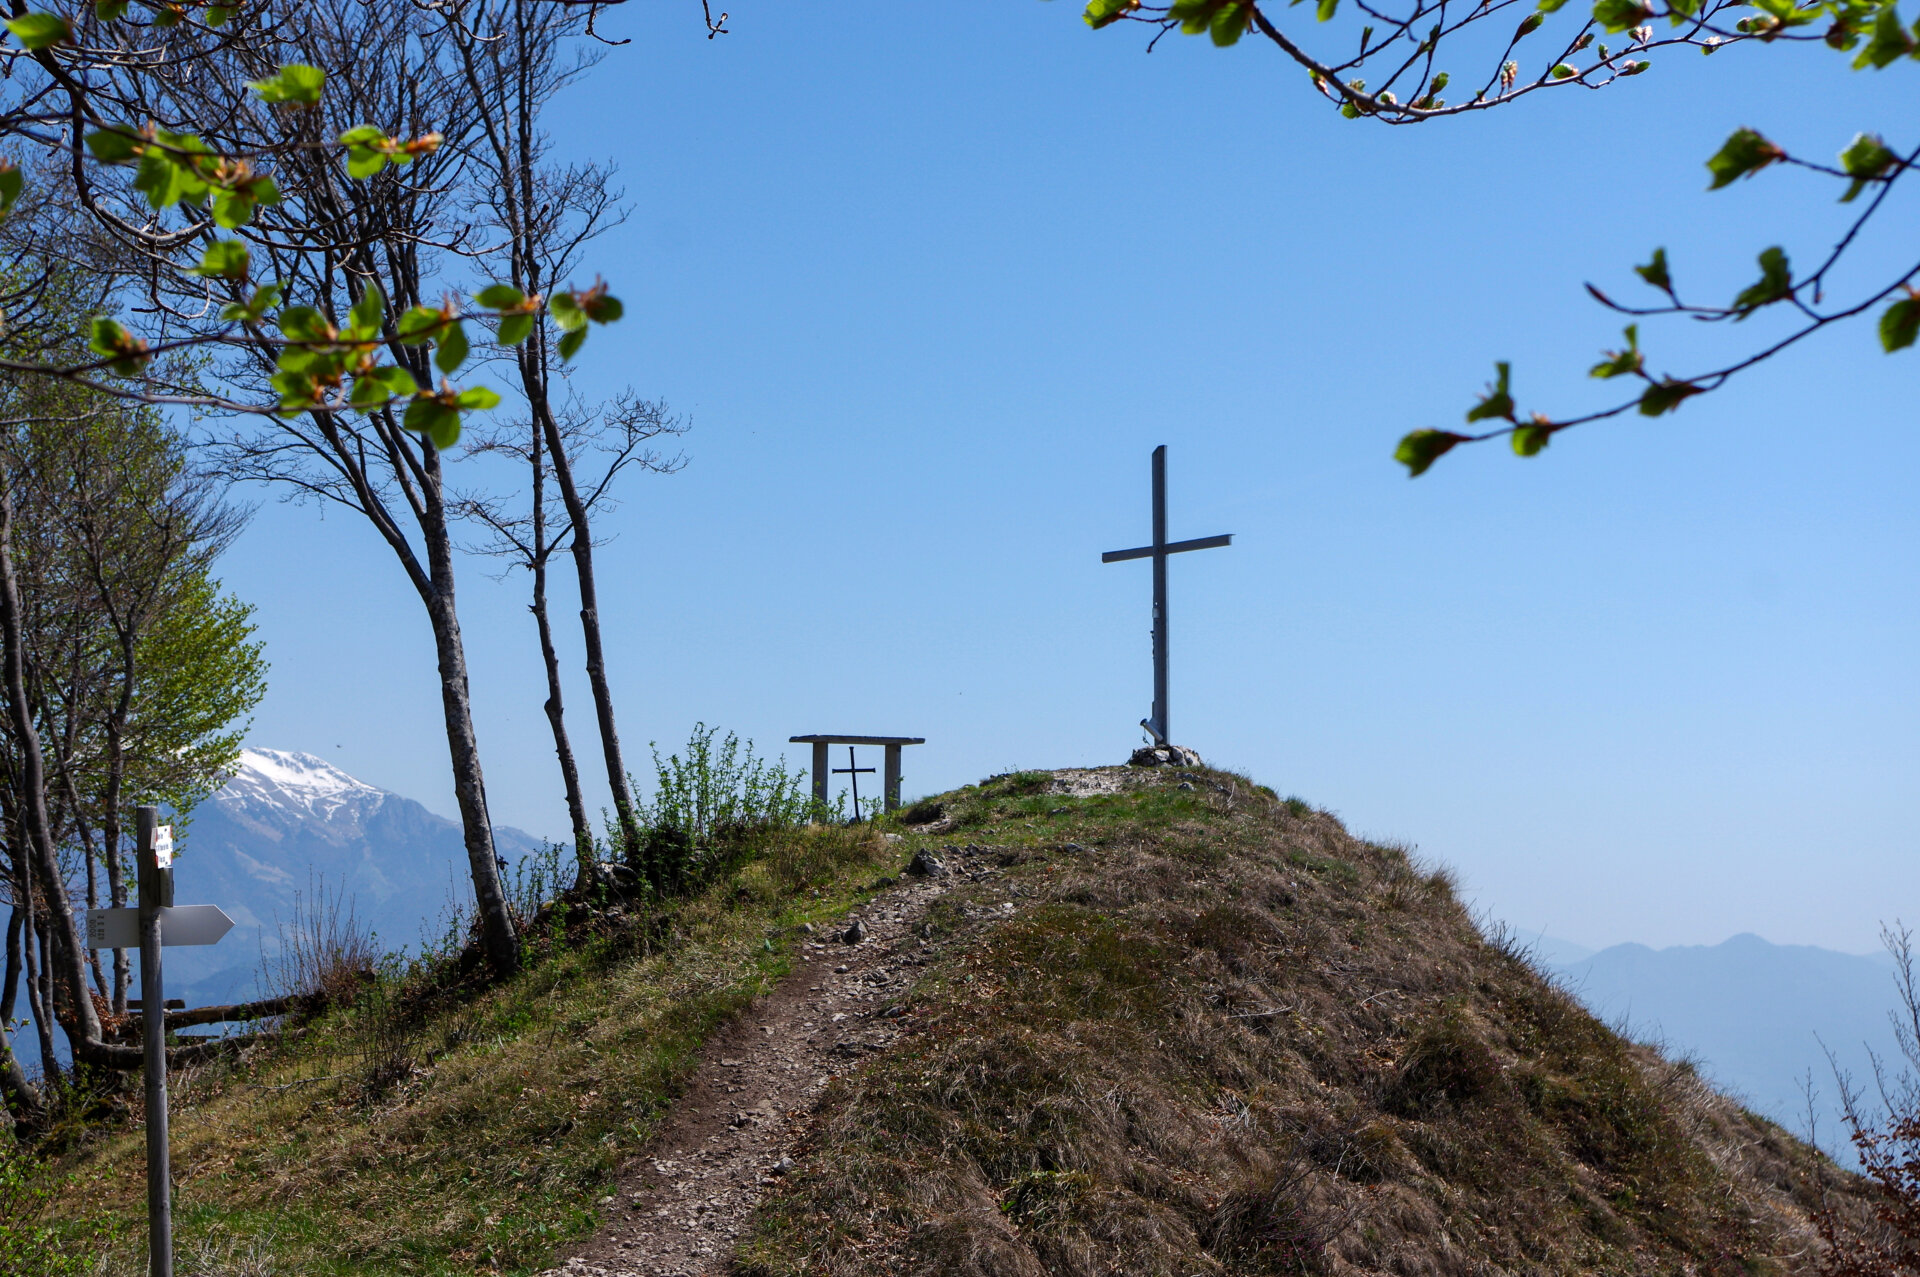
[[179, 924]]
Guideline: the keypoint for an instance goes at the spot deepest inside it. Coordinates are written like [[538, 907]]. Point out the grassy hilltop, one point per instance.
[[1178, 1026]]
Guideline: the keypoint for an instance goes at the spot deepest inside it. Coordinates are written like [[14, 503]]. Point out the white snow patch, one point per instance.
[[289, 780]]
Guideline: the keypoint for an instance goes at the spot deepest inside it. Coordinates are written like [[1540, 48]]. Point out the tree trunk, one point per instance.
[[588, 870], [497, 934], [10, 984], [582, 550], [556, 715], [67, 963], [110, 833]]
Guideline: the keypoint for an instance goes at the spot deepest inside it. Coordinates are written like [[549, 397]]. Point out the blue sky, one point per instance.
[[932, 281]]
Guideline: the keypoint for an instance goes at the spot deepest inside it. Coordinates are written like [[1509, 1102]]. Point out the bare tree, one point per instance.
[[617, 438], [542, 213]]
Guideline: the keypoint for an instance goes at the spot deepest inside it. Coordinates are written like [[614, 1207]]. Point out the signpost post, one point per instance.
[[156, 892], [155, 923]]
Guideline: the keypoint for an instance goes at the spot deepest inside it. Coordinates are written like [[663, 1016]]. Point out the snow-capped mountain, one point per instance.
[[290, 825], [277, 783]]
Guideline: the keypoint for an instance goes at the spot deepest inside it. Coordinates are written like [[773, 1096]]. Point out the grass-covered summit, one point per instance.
[[1218, 1033], [1165, 1023]]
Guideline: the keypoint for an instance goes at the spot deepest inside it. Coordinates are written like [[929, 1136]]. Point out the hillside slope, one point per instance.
[[1193, 1029], [1148, 1023]]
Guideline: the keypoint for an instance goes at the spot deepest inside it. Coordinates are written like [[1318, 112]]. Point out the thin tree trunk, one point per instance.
[[67, 966], [110, 835], [583, 850], [10, 984], [93, 895], [582, 550], [21, 1099], [469, 785]]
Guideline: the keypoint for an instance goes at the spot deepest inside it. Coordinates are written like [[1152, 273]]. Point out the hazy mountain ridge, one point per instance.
[[1759, 1017]]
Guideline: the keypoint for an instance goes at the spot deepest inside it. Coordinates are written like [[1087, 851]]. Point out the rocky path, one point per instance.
[[680, 1208]]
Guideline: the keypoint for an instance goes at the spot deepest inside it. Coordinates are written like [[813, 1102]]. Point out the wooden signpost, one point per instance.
[[155, 923]]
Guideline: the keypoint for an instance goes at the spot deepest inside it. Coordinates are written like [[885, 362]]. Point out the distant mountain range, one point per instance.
[[291, 824], [1754, 1015]]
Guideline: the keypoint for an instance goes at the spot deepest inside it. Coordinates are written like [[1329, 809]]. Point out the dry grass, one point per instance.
[[408, 1132], [1217, 1034]]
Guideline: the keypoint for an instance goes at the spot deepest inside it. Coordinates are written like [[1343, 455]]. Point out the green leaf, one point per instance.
[[500, 297], [37, 31], [1529, 25], [1744, 153], [12, 182], [254, 308], [1563, 72], [114, 145], [1620, 363], [514, 329], [602, 308], [481, 397], [1552, 6], [436, 420], [451, 351], [1498, 401], [1530, 439], [1864, 160], [296, 390], [1100, 13], [1324, 11], [1900, 324], [304, 323], [364, 161], [233, 209], [367, 313], [1665, 396], [1194, 16], [571, 341], [217, 15], [1889, 42], [296, 82], [418, 325], [369, 392], [224, 259], [1620, 15], [1230, 23], [1775, 283], [383, 386], [566, 312], [110, 10], [127, 352], [1422, 448], [1655, 272]]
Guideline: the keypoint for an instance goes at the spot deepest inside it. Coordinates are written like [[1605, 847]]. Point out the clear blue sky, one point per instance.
[[932, 281]]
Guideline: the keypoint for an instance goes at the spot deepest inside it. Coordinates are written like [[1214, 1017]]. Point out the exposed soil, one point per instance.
[[681, 1206]]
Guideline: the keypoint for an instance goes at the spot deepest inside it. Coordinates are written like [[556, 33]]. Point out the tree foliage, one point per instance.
[[1520, 48]]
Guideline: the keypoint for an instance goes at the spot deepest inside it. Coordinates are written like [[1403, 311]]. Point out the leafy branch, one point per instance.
[[1407, 41]]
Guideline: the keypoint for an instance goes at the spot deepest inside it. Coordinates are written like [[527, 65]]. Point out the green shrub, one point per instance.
[[711, 806]]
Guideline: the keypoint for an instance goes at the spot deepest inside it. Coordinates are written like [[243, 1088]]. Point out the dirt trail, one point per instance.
[[681, 1206]]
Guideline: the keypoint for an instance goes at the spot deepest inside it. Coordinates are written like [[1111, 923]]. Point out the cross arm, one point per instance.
[[1171, 547]]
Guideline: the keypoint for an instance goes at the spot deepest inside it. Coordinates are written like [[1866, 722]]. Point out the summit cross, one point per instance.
[[1157, 725]]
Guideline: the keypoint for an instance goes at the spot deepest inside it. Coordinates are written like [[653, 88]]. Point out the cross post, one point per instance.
[[1157, 726], [853, 774]]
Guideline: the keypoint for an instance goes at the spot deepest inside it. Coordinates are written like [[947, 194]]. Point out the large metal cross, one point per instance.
[[1157, 725]]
